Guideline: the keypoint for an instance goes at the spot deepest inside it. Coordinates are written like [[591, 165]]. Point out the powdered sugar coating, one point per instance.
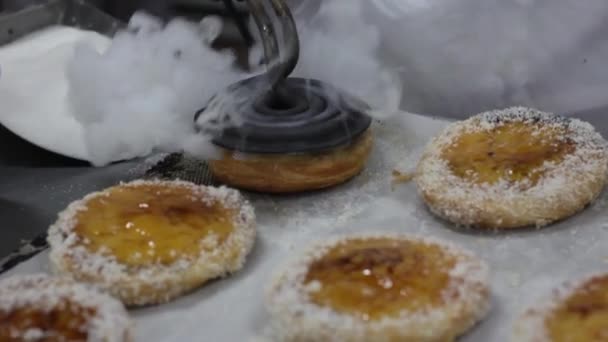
[[295, 318], [565, 187], [109, 323], [154, 283], [531, 325]]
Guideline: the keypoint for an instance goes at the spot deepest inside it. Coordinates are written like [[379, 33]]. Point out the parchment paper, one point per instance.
[[525, 265]]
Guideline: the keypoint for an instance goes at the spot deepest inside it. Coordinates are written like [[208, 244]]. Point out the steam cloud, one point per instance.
[[140, 95], [460, 57]]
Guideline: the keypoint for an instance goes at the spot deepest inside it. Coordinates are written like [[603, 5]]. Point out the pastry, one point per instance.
[[288, 173], [41, 308], [512, 168], [147, 242], [575, 312], [300, 136], [378, 288]]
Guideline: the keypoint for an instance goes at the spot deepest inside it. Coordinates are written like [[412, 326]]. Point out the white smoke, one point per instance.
[[337, 46], [141, 95], [459, 57]]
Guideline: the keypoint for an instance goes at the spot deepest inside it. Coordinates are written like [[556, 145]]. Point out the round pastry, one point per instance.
[[302, 135], [512, 168], [147, 242], [287, 173], [576, 312], [40, 308], [379, 288]]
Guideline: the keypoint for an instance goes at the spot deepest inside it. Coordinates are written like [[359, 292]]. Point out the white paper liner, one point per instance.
[[523, 264]]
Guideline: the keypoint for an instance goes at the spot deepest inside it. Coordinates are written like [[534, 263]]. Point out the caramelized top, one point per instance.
[[514, 151], [65, 322], [372, 278], [149, 223], [583, 317]]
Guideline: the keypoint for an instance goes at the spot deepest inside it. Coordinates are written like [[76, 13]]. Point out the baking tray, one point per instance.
[[525, 264]]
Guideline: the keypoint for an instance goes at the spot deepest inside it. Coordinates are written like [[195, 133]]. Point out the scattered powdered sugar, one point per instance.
[[140, 169], [396, 145], [292, 314], [71, 258], [109, 322]]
